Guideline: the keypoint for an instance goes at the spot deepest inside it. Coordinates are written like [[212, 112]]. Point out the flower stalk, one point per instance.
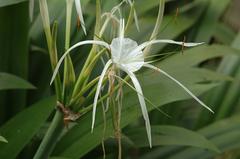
[[51, 137]]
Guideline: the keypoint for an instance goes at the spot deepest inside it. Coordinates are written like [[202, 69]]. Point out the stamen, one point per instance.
[[184, 39]]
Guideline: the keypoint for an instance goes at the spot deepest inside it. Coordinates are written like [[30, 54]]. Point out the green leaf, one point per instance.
[[59, 158], [224, 98], [159, 90], [224, 33], [171, 135], [21, 128], [2, 139], [57, 12], [4, 3], [211, 17], [9, 81], [14, 54], [195, 56], [224, 134]]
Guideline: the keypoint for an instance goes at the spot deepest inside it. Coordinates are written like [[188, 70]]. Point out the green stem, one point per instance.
[[51, 137], [56, 126]]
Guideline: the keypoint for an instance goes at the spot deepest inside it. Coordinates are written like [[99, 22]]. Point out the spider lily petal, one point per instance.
[[117, 7], [121, 29], [146, 99], [141, 101], [80, 15], [109, 17], [98, 91], [121, 35], [134, 14], [145, 44], [180, 84], [136, 20], [102, 43]]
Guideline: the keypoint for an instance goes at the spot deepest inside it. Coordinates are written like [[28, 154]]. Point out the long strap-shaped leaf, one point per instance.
[[142, 102], [99, 86], [180, 84]]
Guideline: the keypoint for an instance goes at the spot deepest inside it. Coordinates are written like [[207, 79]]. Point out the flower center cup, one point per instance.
[[123, 54]]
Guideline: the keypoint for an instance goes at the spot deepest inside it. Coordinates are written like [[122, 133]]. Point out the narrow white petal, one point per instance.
[[109, 17], [80, 15], [104, 26], [121, 35], [98, 90], [117, 7], [102, 43], [145, 44], [136, 20], [134, 14], [180, 84], [121, 29], [148, 100], [141, 101]]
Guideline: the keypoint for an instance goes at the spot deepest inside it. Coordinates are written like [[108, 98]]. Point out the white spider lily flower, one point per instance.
[[128, 56], [80, 15]]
